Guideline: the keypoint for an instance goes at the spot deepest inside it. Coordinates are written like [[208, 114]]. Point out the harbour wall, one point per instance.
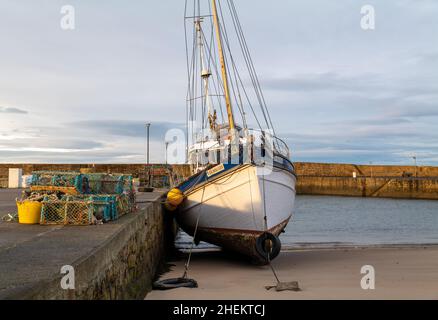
[[376, 187], [313, 178], [403, 182], [133, 169], [347, 170]]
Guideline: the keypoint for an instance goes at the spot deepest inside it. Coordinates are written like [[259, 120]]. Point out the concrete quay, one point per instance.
[[117, 260]]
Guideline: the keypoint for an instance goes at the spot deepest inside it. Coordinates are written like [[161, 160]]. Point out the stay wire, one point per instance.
[[187, 265], [266, 221], [247, 58]]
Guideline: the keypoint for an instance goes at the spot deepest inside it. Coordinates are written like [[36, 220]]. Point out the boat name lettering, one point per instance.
[[215, 170]]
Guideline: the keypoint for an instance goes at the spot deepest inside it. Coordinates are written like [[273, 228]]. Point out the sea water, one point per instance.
[[331, 221]]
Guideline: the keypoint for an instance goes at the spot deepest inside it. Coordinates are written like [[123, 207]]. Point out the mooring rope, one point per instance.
[[273, 270], [187, 265], [184, 281], [266, 224]]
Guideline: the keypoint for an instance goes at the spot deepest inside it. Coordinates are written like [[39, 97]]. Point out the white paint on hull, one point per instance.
[[235, 201], [279, 195]]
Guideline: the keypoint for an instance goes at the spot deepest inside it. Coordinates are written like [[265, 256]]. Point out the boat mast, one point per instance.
[[205, 75], [223, 66]]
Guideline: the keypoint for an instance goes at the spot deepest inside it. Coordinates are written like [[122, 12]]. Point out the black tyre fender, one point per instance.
[[265, 241]]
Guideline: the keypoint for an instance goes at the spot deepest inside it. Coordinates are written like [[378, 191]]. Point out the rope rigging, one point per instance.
[[200, 12]]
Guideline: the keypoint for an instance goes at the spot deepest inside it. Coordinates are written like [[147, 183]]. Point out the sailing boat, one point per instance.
[[242, 193]]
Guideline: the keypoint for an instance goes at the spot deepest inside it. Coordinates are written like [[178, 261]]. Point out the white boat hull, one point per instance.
[[230, 209]]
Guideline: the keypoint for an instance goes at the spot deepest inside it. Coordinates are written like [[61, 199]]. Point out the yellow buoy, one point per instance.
[[169, 207], [29, 212], [175, 197]]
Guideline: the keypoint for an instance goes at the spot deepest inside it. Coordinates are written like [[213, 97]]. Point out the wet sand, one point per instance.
[[401, 273]]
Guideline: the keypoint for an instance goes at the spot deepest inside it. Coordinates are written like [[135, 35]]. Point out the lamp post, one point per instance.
[[415, 164], [167, 146], [148, 126]]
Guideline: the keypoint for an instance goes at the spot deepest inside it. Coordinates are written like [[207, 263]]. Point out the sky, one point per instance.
[[336, 92]]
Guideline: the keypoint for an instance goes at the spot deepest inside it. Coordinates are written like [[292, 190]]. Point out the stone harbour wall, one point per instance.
[[346, 170], [133, 169], [403, 188], [124, 267], [313, 178]]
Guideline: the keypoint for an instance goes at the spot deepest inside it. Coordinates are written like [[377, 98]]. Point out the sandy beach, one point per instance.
[[401, 273]]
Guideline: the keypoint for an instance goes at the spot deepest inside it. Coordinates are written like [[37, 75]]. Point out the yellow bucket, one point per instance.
[[29, 212]]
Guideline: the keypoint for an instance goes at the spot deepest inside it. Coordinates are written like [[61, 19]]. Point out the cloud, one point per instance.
[[123, 128], [379, 140], [369, 85], [327, 81], [12, 110], [429, 58], [418, 112], [339, 94], [95, 141], [56, 143], [49, 156]]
